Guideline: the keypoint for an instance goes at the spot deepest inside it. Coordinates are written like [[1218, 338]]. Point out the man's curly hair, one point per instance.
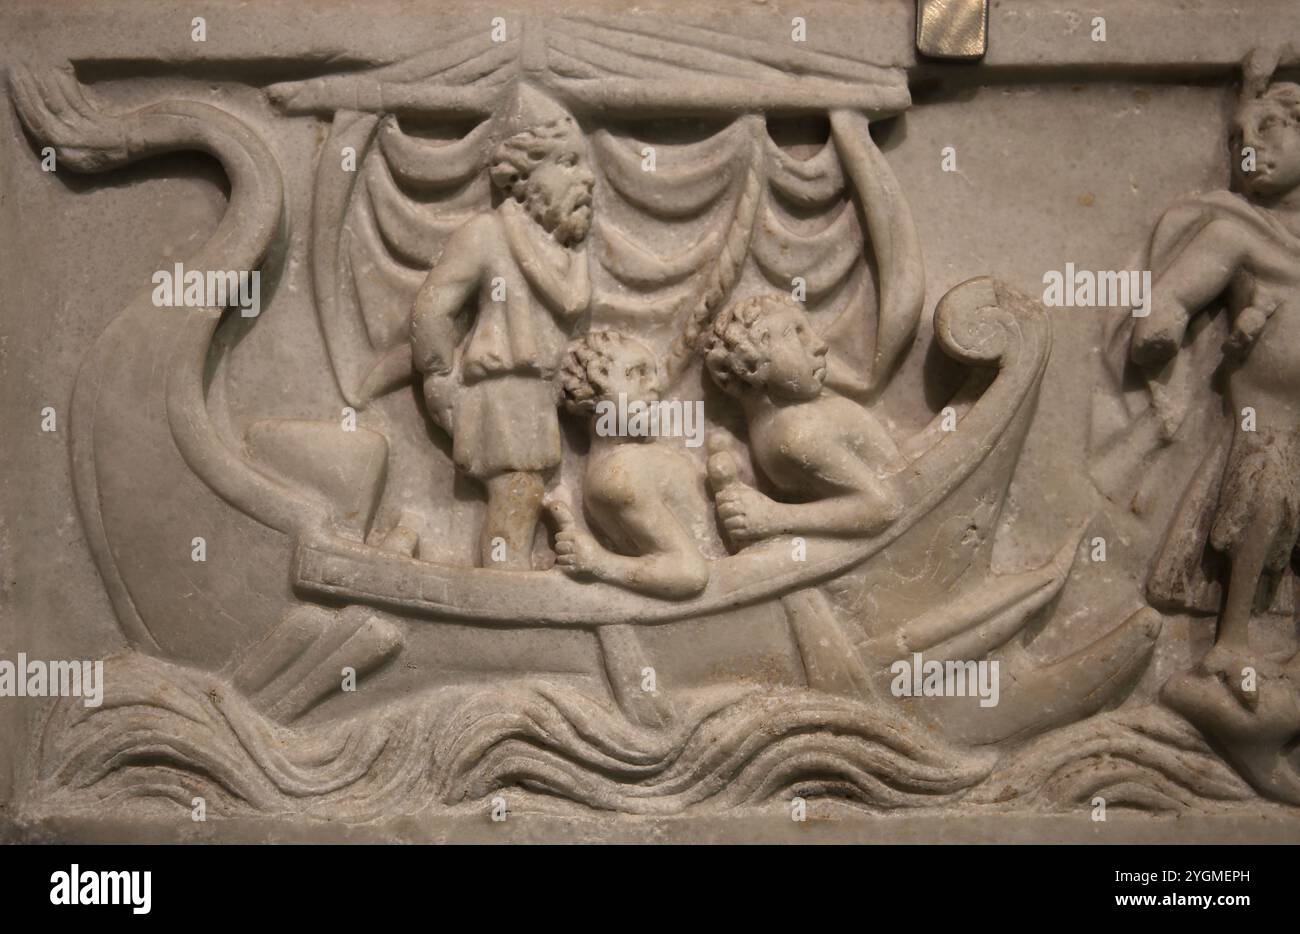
[[733, 354], [515, 157], [584, 373]]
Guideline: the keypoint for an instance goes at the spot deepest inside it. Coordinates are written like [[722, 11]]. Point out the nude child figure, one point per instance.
[[815, 446], [644, 496]]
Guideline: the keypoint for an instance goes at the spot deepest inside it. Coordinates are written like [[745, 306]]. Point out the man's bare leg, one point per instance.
[[514, 506], [1231, 653], [1243, 581]]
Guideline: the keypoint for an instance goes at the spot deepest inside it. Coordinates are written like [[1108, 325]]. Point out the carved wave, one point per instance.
[[170, 733], [173, 733], [1145, 758]]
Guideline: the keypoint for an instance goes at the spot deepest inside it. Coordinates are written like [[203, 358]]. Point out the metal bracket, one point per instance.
[[957, 30]]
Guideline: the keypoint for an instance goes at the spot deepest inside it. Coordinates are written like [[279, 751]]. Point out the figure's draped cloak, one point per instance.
[[1184, 575]]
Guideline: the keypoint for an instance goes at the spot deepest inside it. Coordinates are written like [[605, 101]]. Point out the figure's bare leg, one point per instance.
[[1247, 569], [1230, 656], [514, 506]]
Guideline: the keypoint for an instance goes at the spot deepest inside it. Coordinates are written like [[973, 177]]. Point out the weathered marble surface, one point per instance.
[[434, 600]]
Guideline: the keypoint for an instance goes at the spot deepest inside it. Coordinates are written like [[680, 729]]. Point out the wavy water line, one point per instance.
[[172, 733], [1143, 757]]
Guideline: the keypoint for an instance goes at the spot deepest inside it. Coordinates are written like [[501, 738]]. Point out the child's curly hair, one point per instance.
[[732, 347], [584, 373]]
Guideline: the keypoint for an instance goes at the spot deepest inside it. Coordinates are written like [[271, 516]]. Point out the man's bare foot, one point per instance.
[[400, 540], [1260, 739], [1231, 663]]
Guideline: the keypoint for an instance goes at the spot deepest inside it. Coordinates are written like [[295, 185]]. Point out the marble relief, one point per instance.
[[620, 504]]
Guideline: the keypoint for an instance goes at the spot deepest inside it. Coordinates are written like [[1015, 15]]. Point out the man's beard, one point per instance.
[[567, 220]]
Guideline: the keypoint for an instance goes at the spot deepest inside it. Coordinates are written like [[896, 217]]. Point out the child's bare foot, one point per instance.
[[744, 511], [576, 552]]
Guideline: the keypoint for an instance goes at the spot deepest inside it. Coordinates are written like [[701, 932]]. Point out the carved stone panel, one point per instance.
[[605, 424]]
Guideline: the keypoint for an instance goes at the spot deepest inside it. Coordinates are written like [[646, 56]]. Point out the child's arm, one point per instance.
[[857, 502], [670, 565]]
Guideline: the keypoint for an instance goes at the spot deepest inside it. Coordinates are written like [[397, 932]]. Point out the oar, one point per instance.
[[625, 658]]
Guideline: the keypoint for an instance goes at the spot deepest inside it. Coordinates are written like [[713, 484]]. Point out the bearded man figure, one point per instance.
[[488, 374]]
